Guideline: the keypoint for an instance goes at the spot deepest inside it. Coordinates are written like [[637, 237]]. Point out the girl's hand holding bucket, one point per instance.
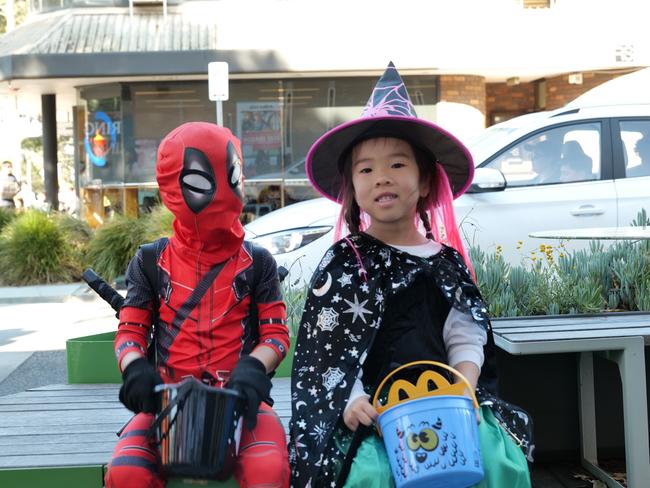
[[359, 411]]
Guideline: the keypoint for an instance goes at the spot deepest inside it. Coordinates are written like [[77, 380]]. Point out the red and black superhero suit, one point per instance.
[[199, 172]]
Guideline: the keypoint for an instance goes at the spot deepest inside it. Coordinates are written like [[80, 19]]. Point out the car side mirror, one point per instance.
[[487, 180]]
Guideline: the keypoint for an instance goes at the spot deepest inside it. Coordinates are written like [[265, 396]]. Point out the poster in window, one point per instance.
[[259, 129]]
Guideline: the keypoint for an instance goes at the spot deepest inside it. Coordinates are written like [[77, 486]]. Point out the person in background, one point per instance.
[[642, 149], [9, 185]]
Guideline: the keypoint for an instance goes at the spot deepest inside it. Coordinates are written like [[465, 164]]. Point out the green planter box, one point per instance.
[[91, 359]]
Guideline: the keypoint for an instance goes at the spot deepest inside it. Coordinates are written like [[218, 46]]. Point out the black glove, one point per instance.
[[249, 378], [139, 379]]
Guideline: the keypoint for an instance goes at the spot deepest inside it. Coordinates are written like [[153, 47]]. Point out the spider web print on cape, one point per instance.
[[342, 315]]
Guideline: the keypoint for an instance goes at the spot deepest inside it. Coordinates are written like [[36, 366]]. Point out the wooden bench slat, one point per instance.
[[34, 399], [34, 430], [43, 461], [57, 407], [102, 446], [541, 320], [541, 335], [77, 417], [57, 438], [643, 329]]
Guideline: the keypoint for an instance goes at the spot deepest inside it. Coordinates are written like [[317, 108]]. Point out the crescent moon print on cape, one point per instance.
[[300, 404], [319, 292]]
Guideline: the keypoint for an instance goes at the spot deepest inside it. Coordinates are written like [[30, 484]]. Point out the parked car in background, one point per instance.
[[564, 169]]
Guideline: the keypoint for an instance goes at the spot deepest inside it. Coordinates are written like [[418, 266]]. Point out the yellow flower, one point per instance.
[[520, 242], [561, 254], [542, 248]]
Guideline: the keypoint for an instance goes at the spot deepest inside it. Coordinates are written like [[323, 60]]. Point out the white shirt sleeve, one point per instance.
[[357, 391], [464, 339]]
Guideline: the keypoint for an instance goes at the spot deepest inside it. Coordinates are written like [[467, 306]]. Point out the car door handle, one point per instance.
[[587, 210]]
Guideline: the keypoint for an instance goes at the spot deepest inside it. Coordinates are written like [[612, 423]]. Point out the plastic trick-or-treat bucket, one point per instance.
[[430, 430], [198, 430]]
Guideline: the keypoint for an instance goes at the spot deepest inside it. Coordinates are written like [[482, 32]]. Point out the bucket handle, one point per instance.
[[375, 399]]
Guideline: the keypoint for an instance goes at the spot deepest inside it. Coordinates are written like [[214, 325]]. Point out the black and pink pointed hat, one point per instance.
[[388, 113]]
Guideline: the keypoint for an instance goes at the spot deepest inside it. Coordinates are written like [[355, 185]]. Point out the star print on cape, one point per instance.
[[356, 309], [348, 316]]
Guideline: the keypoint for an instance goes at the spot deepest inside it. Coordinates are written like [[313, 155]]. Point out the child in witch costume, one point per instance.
[[232, 332], [389, 294]]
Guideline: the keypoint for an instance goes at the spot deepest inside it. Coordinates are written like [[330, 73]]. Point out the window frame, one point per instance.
[[606, 166], [618, 150]]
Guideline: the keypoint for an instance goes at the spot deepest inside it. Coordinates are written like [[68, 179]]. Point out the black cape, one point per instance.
[[343, 312]]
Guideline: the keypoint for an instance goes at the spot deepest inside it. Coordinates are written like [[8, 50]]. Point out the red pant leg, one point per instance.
[[135, 460], [263, 461]]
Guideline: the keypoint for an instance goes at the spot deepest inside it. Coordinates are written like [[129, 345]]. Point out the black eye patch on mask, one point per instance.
[[197, 181]]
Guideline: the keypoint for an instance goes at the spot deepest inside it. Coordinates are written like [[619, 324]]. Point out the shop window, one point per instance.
[[276, 121]]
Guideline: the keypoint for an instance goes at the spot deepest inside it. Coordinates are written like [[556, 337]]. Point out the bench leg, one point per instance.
[[631, 364], [588, 439]]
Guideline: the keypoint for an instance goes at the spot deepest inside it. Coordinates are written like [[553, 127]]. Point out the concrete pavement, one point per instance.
[[35, 322]]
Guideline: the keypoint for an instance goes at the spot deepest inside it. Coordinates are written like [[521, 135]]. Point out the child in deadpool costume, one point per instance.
[[199, 172]]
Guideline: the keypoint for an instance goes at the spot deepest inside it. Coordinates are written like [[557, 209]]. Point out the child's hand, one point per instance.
[[470, 395], [359, 411]]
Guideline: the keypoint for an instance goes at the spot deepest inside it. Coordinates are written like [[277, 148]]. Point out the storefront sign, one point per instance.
[[101, 137]]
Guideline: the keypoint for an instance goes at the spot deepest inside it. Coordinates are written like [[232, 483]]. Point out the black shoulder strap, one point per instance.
[[150, 264], [257, 268], [198, 292], [150, 253]]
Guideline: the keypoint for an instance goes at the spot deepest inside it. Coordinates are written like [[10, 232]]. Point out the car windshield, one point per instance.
[[488, 142], [495, 137]]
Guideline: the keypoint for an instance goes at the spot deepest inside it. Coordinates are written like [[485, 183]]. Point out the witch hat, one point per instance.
[[388, 113]]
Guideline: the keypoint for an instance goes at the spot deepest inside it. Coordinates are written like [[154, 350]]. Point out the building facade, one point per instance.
[[122, 74]]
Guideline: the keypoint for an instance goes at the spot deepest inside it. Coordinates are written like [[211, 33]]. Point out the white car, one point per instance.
[[564, 169]]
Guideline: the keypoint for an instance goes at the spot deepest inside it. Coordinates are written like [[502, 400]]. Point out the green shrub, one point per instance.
[[114, 244], [157, 223], [294, 298], [78, 233], [34, 249], [554, 280], [6, 216]]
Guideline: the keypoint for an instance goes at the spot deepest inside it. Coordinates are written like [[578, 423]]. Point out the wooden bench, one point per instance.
[[64, 435], [617, 337]]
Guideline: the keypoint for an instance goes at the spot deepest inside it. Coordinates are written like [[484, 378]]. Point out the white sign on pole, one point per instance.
[[218, 81]]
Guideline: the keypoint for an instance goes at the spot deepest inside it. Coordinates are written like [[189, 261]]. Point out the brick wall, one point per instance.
[[504, 99], [559, 92], [465, 89]]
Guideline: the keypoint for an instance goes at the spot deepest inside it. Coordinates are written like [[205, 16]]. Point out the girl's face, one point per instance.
[[386, 181]]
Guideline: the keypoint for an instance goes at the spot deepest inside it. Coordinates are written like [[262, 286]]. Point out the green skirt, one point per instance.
[[504, 463]]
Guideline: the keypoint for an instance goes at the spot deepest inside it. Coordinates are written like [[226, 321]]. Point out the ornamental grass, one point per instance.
[[35, 249]]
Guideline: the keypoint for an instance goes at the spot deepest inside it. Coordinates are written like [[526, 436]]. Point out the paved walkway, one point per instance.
[[35, 322]]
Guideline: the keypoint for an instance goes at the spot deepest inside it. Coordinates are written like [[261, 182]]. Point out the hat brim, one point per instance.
[[322, 162]]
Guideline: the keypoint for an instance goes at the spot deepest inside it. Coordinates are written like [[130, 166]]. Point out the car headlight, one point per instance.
[[290, 240]]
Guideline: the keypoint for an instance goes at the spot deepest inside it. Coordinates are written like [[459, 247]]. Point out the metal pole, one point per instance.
[[219, 113], [50, 159]]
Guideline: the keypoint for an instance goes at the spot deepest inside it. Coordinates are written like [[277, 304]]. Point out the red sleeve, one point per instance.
[[273, 327], [132, 332], [271, 310], [135, 315]]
